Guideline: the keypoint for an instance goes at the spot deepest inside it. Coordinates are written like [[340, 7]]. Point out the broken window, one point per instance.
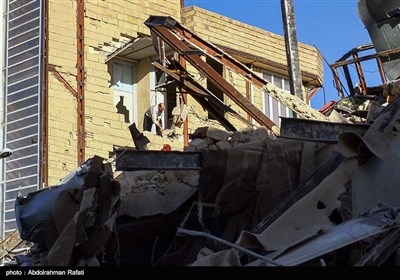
[[124, 90], [271, 107], [164, 90], [210, 86]]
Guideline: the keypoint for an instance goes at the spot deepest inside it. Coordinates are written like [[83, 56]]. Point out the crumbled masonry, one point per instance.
[[319, 190], [246, 206]]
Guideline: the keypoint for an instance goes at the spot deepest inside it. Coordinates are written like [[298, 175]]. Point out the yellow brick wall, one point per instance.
[[62, 147], [62, 131], [106, 23], [143, 90], [234, 34], [242, 37]]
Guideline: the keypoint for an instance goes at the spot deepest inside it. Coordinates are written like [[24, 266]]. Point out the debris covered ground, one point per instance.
[[257, 200]]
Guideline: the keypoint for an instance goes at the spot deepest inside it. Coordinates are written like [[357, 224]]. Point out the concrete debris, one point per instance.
[[223, 145], [256, 200], [164, 191], [78, 228], [242, 198], [210, 138], [294, 103], [217, 134], [321, 190], [198, 144]]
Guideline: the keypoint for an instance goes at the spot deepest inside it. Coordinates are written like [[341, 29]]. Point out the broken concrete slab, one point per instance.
[[318, 206], [260, 134], [376, 180], [91, 228], [375, 222], [198, 144], [223, 145], [154, 202], [217, 134]]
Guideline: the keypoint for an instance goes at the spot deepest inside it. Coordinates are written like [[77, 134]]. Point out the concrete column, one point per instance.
[[292, 51]]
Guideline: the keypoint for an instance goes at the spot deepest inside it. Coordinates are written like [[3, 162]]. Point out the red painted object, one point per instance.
[[166, 148], [327, 107]]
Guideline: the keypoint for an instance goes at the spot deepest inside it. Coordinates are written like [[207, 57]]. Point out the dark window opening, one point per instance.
[[168, 88], [171, 103], [121, 109], [218, 93]]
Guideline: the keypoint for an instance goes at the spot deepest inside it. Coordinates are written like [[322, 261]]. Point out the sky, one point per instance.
[[333, 26]]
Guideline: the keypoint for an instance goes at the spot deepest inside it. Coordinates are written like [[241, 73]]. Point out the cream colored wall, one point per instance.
[[62, 132], [107, 25], [234, 34], [242, 37], [143, 89]]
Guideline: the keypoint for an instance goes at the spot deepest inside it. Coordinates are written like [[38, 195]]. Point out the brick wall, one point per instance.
[[108, 24], [251, 40], [234, 34]]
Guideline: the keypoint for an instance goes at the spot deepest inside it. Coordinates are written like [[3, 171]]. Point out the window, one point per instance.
[[123, 77], [272, 108], [163, 91], [23, 32], [124, 90], [210, 86]]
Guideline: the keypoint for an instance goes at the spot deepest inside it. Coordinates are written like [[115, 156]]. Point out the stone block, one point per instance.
[[217, 134], [223, 145]]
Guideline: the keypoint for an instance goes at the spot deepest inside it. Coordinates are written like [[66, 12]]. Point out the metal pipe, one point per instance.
[[227, 243], [185, 100], [81, 81], [360, 74], [45, 105], [381, 71]]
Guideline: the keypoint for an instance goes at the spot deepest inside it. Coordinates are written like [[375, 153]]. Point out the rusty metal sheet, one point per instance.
[[318, 131]]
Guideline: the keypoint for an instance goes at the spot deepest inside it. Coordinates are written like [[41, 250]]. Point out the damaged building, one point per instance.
[[79, 73], [253, 186]]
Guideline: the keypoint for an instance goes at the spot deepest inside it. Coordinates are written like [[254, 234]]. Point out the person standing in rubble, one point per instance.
[[153, 116]]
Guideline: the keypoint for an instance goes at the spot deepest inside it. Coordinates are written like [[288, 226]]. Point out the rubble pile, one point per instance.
[[363, 108], [163, 190], [209, 138], [255, 200], [73, 223], [139, 182]]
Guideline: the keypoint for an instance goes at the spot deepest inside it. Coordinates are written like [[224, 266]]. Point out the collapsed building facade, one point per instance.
[[79, 73], [235, 198]]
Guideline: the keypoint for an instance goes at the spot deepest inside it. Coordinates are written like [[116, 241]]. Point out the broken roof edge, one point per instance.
[[126, 46]]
